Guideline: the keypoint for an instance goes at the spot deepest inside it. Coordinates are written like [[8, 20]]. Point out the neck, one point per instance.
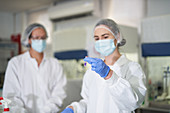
[[38, 56], [112, 58]]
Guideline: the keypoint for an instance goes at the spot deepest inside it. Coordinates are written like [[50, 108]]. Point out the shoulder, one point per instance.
[[134, 65], [17, 59], [53, 61], [131, 64], [135, 69], [54, 64]]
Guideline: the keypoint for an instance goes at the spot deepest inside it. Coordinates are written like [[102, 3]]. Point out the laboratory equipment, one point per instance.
[[155, 50], [5, 102], [168, 85], [8, 49], [165, 85], [72, 62]]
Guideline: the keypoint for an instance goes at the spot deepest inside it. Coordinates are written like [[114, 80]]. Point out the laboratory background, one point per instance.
[[145, 24]]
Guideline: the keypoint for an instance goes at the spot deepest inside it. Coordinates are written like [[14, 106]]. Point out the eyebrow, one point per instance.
[[102, 35], [105, 34]]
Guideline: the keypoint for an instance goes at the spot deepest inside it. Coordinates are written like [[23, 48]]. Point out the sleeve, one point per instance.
[[128, 92], [11, 87], [81, 106], [57, 90]]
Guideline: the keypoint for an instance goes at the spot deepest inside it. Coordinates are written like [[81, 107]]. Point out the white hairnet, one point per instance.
[[113, 28], [28, 31]]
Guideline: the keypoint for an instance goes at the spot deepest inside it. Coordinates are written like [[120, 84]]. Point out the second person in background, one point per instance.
[[112, 85], [33, 82]]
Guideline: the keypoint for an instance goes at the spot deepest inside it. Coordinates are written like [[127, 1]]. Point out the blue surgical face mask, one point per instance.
[[38, 45], [105, 47]]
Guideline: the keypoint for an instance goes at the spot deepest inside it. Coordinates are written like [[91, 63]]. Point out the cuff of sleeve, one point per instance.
[[113, 79], [50, 107], [47, 109], [74, 106], [70, 110], [108, 69]]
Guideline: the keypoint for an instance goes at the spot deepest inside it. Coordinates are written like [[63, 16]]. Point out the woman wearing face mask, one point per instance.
[[33, 82], [112, 85]]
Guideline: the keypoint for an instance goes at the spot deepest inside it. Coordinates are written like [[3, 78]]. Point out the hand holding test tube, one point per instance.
[[98, 66]]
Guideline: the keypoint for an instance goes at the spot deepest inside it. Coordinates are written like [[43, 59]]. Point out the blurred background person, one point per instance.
[[33, 82]]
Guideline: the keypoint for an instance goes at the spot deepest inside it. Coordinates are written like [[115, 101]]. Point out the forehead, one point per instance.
[[101, 31], [39, 31]]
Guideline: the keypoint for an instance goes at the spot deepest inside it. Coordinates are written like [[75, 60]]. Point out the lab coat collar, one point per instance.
[[116, 67], [27, 54], [121, 61]]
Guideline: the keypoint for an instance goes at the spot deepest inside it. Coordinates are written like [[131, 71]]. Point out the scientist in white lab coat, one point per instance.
[[112, 85], [33, 82]]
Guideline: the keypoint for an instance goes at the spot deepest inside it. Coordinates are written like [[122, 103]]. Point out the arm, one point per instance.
[[11, 87], [128, 92], [57, 90]]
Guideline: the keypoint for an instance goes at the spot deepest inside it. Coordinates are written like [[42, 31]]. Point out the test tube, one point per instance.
[[85, 63]]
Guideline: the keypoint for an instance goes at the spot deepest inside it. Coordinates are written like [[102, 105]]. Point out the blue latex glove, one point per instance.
[[68, 110], [98, 66]]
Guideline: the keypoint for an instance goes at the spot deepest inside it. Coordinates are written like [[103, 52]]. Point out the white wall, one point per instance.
[[11, 24], [20, 22], [156, 29], [125, 12], [7, 25], [158, 7], [69, 32]]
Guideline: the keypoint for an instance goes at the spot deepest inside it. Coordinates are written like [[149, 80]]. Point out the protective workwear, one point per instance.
[[105, 47], [28, 31], [38, 45], [113, 28], [38, 89], [122, 93], [98, 66], [68, 110]]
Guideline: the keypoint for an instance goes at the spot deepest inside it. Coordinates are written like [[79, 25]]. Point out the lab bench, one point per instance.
[[155, 107]]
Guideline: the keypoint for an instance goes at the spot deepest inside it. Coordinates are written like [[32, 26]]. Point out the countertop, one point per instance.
[[162, 106]]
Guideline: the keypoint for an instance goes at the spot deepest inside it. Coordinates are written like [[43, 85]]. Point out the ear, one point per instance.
[[29, 41], [119, 37]]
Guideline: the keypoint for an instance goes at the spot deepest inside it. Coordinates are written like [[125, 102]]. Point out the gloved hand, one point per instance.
[[68, 110], [98, 66]]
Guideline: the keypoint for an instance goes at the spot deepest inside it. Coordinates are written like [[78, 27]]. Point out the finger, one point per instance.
[[93, 68], [93, 65], [90, 60]]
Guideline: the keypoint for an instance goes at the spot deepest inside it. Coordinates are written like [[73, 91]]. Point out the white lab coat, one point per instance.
[[32, 88], [122, 93]]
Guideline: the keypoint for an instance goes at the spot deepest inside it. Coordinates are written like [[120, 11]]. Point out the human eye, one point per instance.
[[105, 37], [43, 38], [96, 38], [34, 37]]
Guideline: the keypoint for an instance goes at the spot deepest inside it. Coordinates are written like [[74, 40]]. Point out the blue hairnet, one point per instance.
[[114, 28], [28, 31]]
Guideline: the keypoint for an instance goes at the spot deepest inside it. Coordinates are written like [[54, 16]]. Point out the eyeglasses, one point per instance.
[[38, 38]]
